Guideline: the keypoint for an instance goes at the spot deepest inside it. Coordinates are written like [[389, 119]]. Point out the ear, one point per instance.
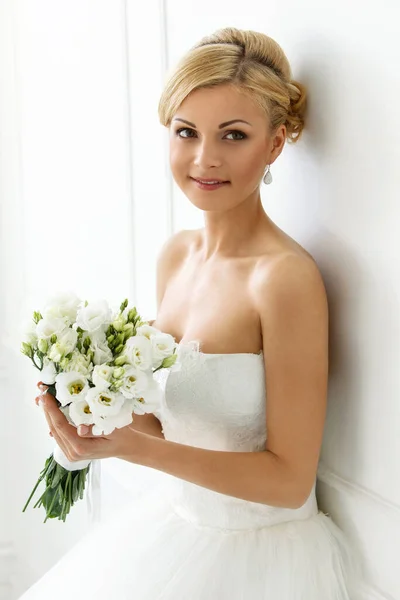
[[277, 143]]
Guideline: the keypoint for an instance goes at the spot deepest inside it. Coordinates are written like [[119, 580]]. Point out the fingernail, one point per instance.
[[83, 429], [42, 403]]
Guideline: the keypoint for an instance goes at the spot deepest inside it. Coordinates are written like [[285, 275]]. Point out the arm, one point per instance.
[[255, 476], [293, 310]]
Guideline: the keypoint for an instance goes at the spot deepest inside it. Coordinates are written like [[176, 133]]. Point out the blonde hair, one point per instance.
[[250, 61]]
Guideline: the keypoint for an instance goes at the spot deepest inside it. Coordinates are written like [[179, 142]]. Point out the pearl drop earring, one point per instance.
[[267, 176]]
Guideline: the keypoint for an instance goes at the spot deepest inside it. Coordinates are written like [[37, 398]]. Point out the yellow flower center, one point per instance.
[[76, 388]]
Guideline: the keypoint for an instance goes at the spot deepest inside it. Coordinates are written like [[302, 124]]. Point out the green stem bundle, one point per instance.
[[63, 489]]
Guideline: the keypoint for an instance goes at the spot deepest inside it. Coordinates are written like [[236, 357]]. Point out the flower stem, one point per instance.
[[42, 476]]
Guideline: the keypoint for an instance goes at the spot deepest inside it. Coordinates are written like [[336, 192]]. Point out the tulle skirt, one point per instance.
[[148, 551]]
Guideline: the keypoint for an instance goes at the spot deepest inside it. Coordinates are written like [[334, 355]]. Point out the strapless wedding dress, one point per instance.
[[185, 542]]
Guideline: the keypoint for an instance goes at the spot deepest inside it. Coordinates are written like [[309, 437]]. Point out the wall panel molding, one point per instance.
[[373, 525], [329, 477]]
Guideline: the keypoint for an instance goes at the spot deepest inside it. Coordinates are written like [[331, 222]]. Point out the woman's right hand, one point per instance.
[[42, 387], [147, 423]]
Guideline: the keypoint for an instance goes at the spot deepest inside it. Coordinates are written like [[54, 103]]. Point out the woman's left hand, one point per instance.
[[80, 444]]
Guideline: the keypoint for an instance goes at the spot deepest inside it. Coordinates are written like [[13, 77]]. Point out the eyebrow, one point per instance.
[[225, 124]]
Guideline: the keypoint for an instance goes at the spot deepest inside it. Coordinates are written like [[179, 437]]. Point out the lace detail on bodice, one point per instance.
[[214, 401], [218, 402]]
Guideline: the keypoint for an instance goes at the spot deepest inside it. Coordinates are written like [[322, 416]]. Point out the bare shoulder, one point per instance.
[[175, 247], [171, 255], [289, 277]]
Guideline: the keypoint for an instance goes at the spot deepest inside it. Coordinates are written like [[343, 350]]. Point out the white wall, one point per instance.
[[80, 137]]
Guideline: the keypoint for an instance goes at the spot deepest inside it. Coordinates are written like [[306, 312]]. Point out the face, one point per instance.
[[219, 133]]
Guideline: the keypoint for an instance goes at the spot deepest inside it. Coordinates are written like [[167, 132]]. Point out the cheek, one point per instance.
[[178, 163], [248, 166]]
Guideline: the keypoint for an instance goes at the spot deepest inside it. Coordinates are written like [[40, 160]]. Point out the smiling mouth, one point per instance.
[[209, 181]]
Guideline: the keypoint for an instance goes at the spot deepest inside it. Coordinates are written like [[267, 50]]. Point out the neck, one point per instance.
[[233, 232]]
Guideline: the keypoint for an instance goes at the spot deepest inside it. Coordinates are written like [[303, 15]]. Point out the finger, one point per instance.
[[87, 431], [55, 434], [50, 404], [39, 398], [42, 390], [57, 422], [57, 418], [66, 443]]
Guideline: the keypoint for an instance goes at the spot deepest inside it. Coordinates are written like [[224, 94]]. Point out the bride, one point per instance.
[[239, 431]]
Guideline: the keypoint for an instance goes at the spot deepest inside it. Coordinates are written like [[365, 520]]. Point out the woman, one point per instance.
[[241, 425]]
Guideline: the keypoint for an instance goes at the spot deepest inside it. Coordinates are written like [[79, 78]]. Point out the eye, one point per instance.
[[178, 131], [240, 133], [243, 135]]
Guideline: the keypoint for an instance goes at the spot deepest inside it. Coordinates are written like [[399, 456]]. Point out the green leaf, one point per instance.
[[59, 474], [75, 488]]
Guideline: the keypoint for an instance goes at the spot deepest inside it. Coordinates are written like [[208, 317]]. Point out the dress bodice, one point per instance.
[[215, 401], [218, 402]]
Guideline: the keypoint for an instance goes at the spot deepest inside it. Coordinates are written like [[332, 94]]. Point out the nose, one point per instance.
[[207, 155]]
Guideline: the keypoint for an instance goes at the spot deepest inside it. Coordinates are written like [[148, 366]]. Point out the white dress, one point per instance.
[[186, 542]]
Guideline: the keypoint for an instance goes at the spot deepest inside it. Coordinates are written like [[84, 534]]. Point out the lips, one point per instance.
[[209, 187], [210, 180]]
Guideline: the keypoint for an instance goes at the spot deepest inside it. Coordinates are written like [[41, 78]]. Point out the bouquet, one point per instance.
[[99, 366]]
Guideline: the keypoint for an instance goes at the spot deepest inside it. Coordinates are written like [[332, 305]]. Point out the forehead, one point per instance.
[[213, 105]]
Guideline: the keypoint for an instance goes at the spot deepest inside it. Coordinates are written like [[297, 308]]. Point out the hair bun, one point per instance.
[[297, 109]]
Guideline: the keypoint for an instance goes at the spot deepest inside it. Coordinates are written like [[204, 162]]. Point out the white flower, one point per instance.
[[135, 382], [163, 345], [104, 403], [94, 316], [150, 401], [79, 363], [106, 425], [80, 413], [50, 326], [98, 336], [66, 343], [63, 305], [48, 373], [102, 375], [71, 387], [102, 352], [138, 351], [147, 330]]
